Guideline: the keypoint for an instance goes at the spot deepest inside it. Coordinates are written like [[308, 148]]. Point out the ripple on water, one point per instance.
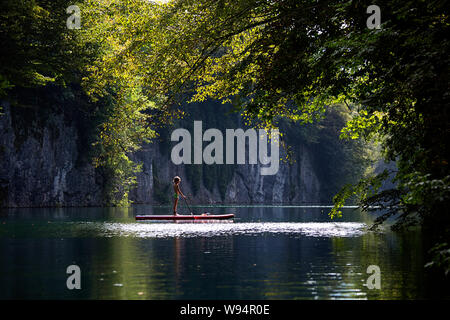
[[165, 230]]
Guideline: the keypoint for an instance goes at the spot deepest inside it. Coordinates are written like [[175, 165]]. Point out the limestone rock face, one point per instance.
[[294, 183], [40, 166]]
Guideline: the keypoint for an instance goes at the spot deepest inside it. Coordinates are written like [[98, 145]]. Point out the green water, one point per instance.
[[266, 253]]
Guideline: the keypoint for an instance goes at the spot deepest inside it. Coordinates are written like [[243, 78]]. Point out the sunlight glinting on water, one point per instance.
[[196, 229]]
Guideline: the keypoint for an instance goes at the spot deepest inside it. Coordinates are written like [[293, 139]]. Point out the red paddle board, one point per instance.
[[204, 216]]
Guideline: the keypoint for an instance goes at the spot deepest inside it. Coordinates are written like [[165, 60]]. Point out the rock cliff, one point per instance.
[[42, 164]]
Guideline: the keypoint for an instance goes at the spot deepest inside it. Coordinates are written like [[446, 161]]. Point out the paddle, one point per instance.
[[188, 206]]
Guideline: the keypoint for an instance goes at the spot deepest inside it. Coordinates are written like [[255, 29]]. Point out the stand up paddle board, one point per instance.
[[204, 216]]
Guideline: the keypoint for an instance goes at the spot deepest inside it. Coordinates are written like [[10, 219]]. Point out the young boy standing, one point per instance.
[[177, 192]]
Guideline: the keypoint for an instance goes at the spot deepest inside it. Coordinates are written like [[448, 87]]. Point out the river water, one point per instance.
[[267, 252]]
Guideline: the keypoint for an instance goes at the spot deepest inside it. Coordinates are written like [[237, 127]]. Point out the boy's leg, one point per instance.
[[175, 206]]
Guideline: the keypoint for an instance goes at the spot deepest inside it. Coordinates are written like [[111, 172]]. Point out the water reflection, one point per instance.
[[223, 228]]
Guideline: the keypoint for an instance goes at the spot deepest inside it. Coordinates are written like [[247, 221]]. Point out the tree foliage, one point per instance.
[[37, 47]]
